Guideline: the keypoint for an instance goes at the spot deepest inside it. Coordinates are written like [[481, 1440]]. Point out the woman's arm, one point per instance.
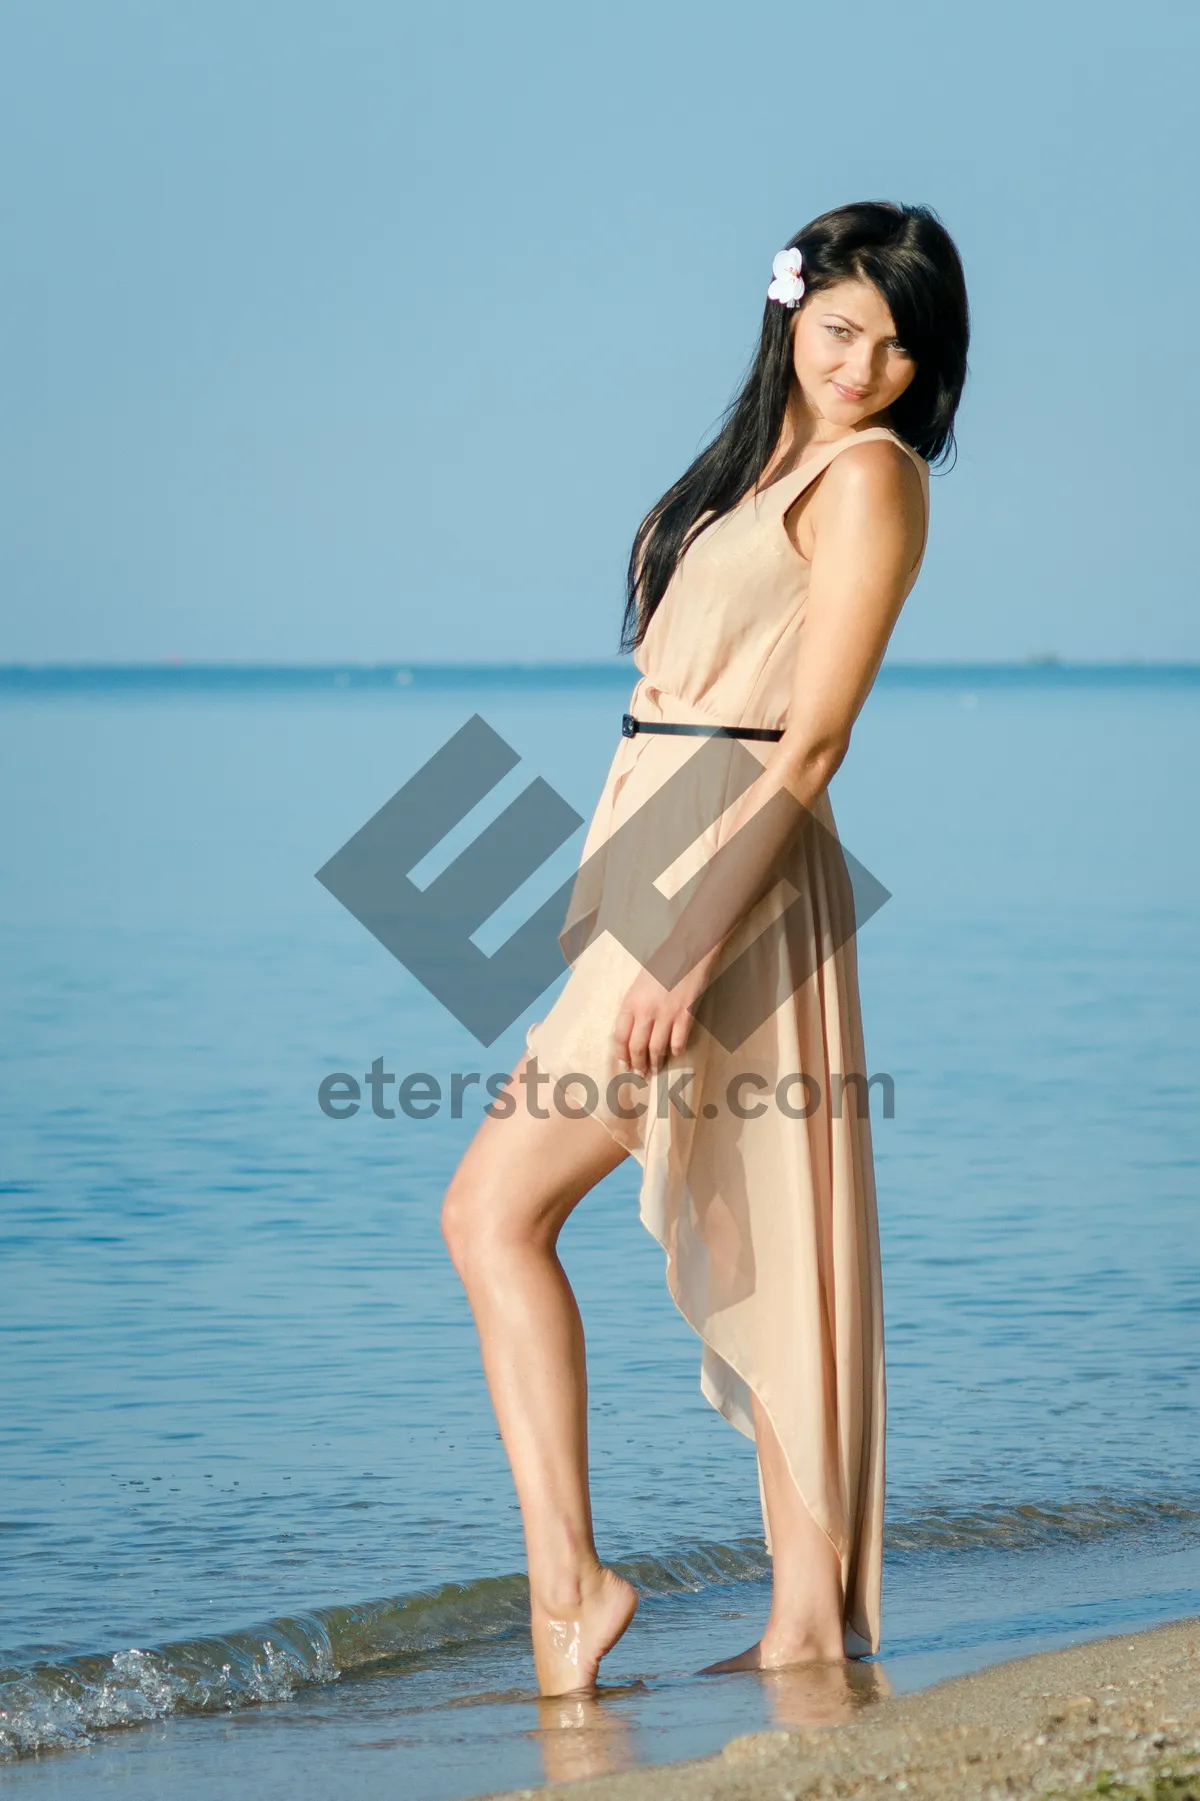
[[867, 520]]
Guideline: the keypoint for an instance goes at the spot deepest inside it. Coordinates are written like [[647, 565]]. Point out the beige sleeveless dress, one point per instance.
[[768, 1223]]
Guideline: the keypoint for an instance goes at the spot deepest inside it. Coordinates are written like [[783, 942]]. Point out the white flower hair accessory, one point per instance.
[[788, 285]]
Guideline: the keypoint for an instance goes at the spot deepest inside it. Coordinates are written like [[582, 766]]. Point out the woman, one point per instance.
[[762, 591]]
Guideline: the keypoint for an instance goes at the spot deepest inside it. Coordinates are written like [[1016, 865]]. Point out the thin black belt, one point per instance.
[[630, 727]]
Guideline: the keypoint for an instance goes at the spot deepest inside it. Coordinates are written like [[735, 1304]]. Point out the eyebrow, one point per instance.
[[856, 325]]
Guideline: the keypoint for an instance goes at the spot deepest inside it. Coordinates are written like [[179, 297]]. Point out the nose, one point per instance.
[[860, 365]]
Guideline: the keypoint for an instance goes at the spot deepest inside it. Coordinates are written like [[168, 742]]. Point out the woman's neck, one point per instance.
[[802, 428]]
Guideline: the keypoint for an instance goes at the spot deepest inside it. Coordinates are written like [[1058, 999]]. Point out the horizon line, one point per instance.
[[168, 665], [176, 680]]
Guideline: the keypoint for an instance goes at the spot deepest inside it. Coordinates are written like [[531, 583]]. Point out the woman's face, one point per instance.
[[847, 358]]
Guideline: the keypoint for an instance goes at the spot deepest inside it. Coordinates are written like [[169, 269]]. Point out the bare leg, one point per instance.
[[805, 1622], [510, 1197]]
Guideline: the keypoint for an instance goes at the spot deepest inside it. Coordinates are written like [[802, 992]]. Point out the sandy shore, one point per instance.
[[1119, 1711]]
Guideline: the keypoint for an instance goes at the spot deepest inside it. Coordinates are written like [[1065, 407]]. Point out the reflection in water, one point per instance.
[[823, 1694], [590, 1735], [584, 1735]]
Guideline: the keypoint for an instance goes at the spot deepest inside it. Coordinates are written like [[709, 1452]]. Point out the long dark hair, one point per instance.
[[908, 254]]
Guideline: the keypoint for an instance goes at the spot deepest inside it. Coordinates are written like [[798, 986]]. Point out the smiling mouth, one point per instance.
[[851, 393]]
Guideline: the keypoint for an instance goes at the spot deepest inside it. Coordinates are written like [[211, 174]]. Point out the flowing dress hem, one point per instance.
[[869, 1639]]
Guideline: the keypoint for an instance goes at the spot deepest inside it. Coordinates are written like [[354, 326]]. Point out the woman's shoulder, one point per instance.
[[876, 470], [877, 451], [877, 484]]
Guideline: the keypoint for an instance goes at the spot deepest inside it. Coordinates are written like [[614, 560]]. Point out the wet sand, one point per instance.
[[1122, 1712]]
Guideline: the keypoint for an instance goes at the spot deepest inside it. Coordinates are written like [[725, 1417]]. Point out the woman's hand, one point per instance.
[[655, 1022]]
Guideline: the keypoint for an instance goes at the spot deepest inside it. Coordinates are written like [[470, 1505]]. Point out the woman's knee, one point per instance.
[[479, 1224], [458, 1211]]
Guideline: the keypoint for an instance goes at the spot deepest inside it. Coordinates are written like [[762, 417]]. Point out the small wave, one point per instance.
[[1031, 1525], [52, 1705]]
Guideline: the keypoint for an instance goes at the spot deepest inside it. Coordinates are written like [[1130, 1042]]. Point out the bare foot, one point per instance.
[[567, 1650], [777, 1651]]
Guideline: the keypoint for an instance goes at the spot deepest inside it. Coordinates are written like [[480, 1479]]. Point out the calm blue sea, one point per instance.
[[253, 1507]]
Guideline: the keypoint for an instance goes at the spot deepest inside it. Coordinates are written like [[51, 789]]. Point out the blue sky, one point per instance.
[[368, 331]]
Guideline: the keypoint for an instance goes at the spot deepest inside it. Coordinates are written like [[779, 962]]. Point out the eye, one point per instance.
[[839, 331], [899, 348]]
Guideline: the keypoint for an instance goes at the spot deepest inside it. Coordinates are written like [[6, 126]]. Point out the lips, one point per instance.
[[851, 393]]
